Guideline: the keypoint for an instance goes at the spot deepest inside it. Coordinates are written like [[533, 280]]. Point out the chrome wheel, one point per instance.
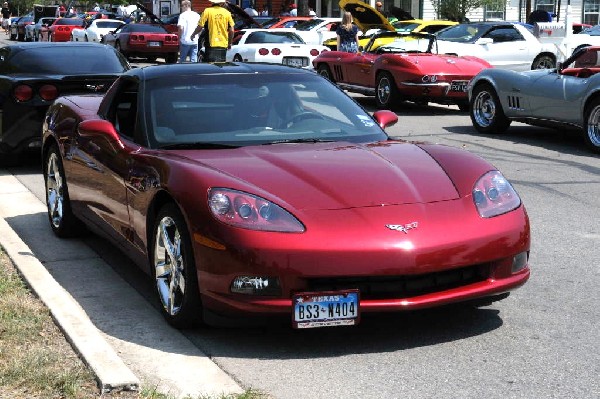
[[592, 127], [55, 190], [484, 109], [544, 62], [384, 90], [169, 266]]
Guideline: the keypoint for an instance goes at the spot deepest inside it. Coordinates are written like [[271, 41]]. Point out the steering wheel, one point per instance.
[[301, 116], [584, 73]]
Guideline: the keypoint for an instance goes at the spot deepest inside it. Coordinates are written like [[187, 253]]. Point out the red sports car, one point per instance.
[[145, 41], [60, 30], [384, 69], [278, 196]]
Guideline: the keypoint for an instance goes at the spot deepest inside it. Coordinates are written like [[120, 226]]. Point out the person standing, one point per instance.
[[347, 34], [217, 20], [186, 24], [6, 14]]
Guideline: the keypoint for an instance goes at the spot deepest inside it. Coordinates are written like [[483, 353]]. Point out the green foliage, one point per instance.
[[456, 10]]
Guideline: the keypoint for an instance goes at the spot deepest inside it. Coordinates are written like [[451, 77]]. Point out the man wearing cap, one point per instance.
[[6, 14], [217, 20]]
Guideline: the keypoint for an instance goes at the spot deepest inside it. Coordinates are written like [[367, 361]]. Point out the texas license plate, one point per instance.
[[326, 309], [459, 85], [153, 44], [295, 62]]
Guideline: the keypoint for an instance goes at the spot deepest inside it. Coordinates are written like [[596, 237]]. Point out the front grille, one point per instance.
[[389, 287]]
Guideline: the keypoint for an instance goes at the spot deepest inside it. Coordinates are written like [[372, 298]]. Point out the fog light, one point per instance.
[[256, 285], [520, 261]]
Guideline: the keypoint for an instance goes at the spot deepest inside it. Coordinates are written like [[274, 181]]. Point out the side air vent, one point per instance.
[[514, 102]]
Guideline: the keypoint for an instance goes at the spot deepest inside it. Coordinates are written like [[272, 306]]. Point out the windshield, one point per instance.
[[273, 37], [240, 110], [405, 26], [69, 21], [108, 24], [51, 60], [462, 33], [309, 25]]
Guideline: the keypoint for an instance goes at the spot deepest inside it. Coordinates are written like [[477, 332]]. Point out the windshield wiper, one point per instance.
[[197, 145], [293, 141]]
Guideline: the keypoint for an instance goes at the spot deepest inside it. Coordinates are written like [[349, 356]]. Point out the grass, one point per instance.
[[36, 361]]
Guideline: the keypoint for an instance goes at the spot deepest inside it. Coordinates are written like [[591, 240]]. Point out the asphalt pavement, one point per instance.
[[118, 333]]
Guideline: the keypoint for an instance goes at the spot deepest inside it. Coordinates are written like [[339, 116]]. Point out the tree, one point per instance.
[[456, 10]]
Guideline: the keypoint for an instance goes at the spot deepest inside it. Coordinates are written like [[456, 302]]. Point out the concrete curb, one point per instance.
[[85, 338], [121, 337]]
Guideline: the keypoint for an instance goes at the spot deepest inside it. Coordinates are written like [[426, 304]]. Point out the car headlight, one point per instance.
[[493, 195], [249, 211]]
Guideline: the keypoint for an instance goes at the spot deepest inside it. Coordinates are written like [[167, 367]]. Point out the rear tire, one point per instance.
[[592, 126], [237, 58], [174, 269], [62, 220], [544, 61], [171, 58], [486, 111], [386, 92]]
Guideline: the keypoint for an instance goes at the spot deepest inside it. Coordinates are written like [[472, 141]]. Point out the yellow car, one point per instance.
[[368, 18]]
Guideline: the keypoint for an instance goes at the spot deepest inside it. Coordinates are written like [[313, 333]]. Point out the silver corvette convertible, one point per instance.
[[568, 96]]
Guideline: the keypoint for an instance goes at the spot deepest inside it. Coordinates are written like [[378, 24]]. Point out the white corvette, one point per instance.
[[273, 46], [95, 30]]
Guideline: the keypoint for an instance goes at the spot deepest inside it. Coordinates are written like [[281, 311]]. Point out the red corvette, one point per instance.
[[278, 196], [60, 30], [392, 74], [145, 41]]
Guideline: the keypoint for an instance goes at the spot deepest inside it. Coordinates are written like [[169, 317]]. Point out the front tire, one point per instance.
[[174, 269], [592, 126], [386, 92], [544, 61], [62, 220], [486, 111]]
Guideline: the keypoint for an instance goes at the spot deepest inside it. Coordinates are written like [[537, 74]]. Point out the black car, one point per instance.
[[34, 74]]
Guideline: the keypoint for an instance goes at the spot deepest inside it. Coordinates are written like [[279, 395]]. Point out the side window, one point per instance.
[[502, 35], [124, 110]]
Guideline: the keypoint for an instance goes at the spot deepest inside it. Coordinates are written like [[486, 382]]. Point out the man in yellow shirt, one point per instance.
[[218, 22]]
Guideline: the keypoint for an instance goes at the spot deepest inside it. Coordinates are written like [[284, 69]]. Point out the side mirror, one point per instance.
[[385, 118], [484, 40], [99, 128]]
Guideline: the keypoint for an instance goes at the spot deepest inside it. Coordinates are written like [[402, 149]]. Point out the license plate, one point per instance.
[[295, 62], [153, 44], [459, 85], [326, 309]]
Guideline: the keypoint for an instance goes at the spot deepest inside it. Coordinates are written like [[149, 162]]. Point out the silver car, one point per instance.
[[565, 97]]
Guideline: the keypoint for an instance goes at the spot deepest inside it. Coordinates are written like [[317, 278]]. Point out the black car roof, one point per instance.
[[51, 45]]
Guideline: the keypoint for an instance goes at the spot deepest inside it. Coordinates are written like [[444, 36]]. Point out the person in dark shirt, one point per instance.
[[6, 14]]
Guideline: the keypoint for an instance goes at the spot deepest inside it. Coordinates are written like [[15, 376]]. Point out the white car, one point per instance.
[[505, 45], [317, 30], [273, 46], [96, 30]]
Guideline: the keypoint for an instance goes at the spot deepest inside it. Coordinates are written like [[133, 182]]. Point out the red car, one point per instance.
[[284, 22], [393, 74], [144, 40], [278, 196], [60, 30]]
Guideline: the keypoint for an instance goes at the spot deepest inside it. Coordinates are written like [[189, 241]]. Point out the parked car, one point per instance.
[[22, 23], [392, 74], [505, 45], [284, 22], [13, 31], [567, 97], [60, 30], [278, 196], [144, 40], [96, 30], [273, 46], [317, 30], [38, 31], [32, 75]]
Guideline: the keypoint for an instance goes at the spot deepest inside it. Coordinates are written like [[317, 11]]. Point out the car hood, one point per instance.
[[365, 16], [335, 175]]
